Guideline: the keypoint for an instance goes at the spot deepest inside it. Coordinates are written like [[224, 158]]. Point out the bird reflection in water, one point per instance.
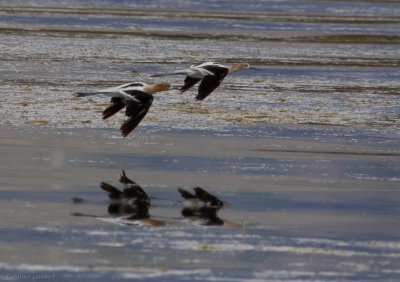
[[131, 206], [201, 205]]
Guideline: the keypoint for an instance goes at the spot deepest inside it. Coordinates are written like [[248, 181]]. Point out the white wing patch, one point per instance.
[[128, 97], [204, 72]]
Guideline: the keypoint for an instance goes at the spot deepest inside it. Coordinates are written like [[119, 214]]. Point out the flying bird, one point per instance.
[[210, 74], [137, 97]]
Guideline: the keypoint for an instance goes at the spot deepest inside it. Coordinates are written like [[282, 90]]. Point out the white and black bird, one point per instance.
[[137, 97], [210, 74]]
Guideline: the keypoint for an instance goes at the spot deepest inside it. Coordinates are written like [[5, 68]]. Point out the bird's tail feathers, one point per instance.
[[178, 72], [85, 94], [161, 74]]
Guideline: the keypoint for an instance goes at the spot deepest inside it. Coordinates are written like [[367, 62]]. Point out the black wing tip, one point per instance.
[[105, 186], [125, 179], [205, 196], [131, 123], [200, 191], [125, 131], [185, 194], [202, 96], [105, 115], [110, 189], [127, 127]]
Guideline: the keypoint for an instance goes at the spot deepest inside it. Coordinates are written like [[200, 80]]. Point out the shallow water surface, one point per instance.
[[298, 208]]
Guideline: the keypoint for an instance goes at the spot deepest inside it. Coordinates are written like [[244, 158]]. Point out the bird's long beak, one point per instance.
[[253, 68]]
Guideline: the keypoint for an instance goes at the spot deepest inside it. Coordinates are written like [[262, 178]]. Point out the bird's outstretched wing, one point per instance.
[[206, 197], [136, 109], [113, 192], [115, 106], [185, 194], [189, 83], [136, 113], [133, 190], [210, 82]]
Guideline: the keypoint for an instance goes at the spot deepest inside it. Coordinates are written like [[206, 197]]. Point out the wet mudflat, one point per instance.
[[305, 150], [338, 66], [298, 208]]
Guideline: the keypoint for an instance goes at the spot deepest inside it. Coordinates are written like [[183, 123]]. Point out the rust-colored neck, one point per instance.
[[153, 88]]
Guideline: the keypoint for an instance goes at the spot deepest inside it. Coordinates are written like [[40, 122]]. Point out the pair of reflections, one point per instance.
[[132, 204]]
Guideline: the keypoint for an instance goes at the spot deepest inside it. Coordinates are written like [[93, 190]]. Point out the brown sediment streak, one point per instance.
[[311, 37], [219, 15]]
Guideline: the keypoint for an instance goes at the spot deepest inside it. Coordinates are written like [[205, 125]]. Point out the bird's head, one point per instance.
[[245, 65], [240, 66]]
